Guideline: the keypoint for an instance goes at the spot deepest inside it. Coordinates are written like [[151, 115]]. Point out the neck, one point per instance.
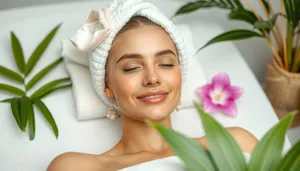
[[140, 137]]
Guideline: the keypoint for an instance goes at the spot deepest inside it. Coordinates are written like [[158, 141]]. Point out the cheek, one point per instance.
[[173, 79], [124, 86]]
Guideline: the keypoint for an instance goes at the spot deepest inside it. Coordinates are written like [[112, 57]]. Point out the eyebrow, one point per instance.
[[135, 56]]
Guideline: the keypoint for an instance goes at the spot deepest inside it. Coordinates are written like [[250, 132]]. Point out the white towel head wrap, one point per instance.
[[97, 34]]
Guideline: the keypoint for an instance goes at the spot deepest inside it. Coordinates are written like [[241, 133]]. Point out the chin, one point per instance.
[[158, 114]]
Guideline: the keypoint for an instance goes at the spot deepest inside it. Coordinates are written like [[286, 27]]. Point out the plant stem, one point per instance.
[[297, 40], [264, 8], [286, 63], [289, 45], [296, 66], [253, 10], [276, 25], [297, 55], [275, 53], [268, 16]]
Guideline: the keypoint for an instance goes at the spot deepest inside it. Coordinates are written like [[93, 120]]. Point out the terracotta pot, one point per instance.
[[283, 90]]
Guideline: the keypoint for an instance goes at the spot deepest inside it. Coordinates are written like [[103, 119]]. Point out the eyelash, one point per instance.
[[167, 65], [132, 69]]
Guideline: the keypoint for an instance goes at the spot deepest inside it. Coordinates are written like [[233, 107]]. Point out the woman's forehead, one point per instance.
[[144, 40]]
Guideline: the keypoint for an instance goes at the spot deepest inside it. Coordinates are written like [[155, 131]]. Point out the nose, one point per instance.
[[151, 77]]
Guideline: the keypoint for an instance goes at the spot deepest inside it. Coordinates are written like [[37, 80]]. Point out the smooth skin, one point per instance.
[[141, 60]]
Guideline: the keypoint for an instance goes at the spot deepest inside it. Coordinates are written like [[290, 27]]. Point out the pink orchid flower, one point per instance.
[[93, 32], [220, 95]]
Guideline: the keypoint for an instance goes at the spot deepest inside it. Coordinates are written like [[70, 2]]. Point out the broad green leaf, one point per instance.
[[38, 52], [31, 122], [12, 89], [243, 15], [7, 100], [55, 89], [18, 52], [44, 110], [267, 24], [26, 109], [193, 6], [45, 88], [267, 152], [16, 111], [224, 149], [42, 73], [291, 159], [191, 152], [11, 74], [231, 35]]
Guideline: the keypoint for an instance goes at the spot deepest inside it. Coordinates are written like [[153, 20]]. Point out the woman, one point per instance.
[[138, 64]]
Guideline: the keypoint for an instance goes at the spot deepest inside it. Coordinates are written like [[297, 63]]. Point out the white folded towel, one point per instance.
[[172, 163], [90, 106]]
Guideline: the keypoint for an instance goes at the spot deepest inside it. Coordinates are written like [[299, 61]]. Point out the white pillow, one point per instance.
[[90, 106]]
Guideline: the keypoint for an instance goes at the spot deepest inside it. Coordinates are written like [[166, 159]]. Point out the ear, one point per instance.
[[108, 92]]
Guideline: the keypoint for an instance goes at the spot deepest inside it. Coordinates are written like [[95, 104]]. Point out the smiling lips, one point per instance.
[[153, 97]]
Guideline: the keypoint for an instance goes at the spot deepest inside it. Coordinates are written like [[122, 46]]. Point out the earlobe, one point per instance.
[[109, 93]]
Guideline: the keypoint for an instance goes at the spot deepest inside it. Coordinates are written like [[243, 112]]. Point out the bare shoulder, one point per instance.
[[244, 138], [72, 161]]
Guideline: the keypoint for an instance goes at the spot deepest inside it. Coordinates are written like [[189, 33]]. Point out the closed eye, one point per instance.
[[167, 65], [130, 69]]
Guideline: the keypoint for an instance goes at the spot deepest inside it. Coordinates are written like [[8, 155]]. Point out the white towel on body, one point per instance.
[[173, 163]]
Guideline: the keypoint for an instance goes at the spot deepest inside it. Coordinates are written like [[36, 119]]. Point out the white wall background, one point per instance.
[[255, 51]]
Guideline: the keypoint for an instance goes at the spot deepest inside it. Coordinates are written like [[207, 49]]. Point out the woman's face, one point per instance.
[[143, 73]]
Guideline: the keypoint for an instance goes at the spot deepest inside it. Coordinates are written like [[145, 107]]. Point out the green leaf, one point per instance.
[[232, 35], [266, 5], [238, 4], [40, 50], [230, 3], [291, 159], [11, 74], [267, 24], [191, 152], [224, 149], [26, 110], [18, 52], [292, 9], [7, 100], [16, 111], [12, 89], [44, 110], [31, 122], [55, 89], [267, 152], [42, 73], [45, 88], [193, 6], [243, 15]]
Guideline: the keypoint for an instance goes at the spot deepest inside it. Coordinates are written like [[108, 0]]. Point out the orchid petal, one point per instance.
[[230, 108], [204, 90], [234, 92], [208, 106], [221, 80]]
